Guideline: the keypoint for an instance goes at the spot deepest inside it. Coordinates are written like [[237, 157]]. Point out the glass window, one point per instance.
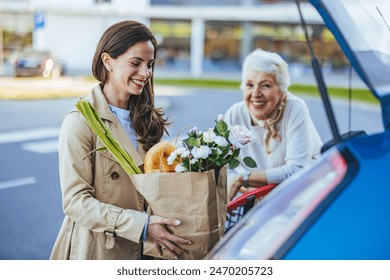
[[365, 25], [222, 45], [174, 39]]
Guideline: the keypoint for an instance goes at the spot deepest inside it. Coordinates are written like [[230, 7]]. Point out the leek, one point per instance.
[[105, 135]]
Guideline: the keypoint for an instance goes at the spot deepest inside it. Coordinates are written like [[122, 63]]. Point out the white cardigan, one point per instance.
[[300, 142]]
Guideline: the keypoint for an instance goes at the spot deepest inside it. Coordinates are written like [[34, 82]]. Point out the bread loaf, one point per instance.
[[156, 158]]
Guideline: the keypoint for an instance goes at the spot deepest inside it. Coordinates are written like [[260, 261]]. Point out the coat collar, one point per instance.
[[99, 103]]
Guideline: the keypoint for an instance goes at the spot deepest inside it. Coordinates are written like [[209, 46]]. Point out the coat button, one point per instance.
[[115, 176]]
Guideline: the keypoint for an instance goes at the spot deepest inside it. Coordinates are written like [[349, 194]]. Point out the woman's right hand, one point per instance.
[[163, 239]]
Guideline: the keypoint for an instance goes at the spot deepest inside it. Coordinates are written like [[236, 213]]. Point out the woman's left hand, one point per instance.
[[163, 239]]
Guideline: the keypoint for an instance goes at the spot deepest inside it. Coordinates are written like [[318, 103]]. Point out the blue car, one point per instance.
[[339, 208]]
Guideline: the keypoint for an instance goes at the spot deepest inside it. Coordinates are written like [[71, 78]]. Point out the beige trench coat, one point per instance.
[[104, 215]]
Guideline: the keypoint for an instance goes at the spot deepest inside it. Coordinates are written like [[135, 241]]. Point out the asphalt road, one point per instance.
[[30, 199]]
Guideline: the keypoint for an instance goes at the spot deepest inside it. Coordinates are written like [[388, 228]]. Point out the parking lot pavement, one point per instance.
[[14, 88], [75, 86]]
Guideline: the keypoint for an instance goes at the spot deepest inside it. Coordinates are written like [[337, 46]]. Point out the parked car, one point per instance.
[[338, 208], [33, 63]]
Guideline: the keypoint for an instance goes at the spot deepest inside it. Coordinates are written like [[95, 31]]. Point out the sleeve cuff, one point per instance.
[[273, 176], [145, 230]]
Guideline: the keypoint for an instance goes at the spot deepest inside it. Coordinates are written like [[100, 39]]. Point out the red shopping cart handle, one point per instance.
[[258, 192]]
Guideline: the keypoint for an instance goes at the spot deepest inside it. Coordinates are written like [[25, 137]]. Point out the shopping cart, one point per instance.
[[238, 207]]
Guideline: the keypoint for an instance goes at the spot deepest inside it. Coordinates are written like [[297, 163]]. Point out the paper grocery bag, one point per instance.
[[197, 199]]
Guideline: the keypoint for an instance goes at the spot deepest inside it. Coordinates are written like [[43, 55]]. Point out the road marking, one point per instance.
[[41, 147], [17, 183], [28, 134]]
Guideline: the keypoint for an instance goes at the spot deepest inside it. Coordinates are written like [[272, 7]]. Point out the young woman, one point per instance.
[[104, 214]]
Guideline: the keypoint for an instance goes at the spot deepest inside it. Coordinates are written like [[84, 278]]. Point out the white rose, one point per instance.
[[185, 154], [179, 168], [220, 117], [221, 141], [172, 157], [240, 135], [209, 136], [201, 152], [181, 150]]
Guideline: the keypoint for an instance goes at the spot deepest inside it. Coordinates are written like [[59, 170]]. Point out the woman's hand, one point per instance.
[[163, 239], [235, 188], [255, 180], [244, 190]]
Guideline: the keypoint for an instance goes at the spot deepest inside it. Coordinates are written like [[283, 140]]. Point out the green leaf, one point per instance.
[[196, 167], [221, 128], [96, 150], [236, 152], [225, 150], [233, 163], [250, 162], [214, 153], [193, 141]]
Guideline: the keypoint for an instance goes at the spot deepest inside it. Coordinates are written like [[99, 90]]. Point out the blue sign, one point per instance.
[[39, 20]]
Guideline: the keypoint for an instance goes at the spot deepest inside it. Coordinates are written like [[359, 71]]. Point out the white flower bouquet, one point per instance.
[[213, 148]]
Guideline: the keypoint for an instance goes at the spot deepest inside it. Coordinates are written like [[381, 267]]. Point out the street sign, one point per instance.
[[39, 20]]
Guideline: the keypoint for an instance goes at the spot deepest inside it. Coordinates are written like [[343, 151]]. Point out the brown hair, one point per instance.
[[148, 121]]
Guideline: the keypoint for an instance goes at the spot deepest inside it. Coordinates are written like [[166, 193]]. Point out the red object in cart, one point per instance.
[[238, 207]]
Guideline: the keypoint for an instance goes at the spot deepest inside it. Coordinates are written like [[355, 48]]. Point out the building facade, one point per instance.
[[195, 36]]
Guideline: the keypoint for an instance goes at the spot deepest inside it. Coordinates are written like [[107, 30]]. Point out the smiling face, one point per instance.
[[129, 72], [261, 94]]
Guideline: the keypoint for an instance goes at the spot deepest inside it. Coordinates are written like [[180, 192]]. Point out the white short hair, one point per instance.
[[267, 62]]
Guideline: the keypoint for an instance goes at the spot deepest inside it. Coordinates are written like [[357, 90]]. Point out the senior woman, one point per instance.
[[286, 138]]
